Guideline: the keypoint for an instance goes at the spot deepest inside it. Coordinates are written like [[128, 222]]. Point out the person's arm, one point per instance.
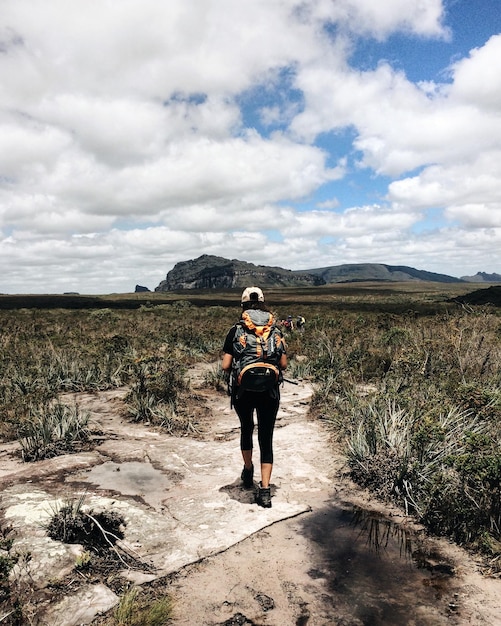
[[227, 362], [228, 350]]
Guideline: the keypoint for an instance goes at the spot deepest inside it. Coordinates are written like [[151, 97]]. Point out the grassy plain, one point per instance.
[[408, 380]]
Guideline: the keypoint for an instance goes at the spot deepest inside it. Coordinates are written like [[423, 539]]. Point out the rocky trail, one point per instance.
[[325, 553]]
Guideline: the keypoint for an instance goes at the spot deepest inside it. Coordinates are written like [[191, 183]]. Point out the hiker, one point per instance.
[[289, 324], [300, 321], [255, 356]]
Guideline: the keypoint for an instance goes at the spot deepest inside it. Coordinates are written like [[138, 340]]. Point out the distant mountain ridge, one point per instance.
[[214, 272], [482, 277], [354, 272]]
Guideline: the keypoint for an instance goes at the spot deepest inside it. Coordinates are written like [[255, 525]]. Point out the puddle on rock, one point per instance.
[[132, 478], [378, 573]]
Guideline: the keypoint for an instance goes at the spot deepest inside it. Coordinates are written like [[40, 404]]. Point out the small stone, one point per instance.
[[265, 601]]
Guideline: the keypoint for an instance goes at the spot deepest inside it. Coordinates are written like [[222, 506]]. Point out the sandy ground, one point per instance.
[[325, 553]]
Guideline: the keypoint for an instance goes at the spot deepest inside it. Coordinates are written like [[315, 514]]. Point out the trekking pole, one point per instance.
[[292, 382]]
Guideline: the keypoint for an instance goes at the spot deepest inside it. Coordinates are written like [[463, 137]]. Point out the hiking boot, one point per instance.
[[248, 477], [263, 497]]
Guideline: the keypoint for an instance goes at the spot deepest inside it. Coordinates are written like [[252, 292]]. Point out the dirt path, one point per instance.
[[323, 554], [324, 566]]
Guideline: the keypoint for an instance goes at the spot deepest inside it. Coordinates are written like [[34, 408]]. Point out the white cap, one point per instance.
[[252, 294]]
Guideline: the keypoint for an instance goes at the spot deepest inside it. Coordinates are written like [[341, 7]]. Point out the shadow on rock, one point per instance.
[[237, 492]]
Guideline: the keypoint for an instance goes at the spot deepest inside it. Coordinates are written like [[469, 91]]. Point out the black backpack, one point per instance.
[[257, 348]]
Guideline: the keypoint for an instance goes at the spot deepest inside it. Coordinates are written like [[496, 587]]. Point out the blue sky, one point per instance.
[[301, 133], [470, 25]]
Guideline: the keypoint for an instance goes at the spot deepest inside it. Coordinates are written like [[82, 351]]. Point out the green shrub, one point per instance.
[[136, 611], [157, 387], [53, 429]]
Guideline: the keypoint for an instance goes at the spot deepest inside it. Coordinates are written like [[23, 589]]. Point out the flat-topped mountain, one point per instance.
[[354, 272], [214, 272]]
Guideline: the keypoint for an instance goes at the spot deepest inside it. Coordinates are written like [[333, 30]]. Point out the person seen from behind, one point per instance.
[[300, 321], [255, 355]]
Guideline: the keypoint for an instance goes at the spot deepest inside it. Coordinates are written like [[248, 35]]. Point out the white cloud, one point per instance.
[[126, 139], [379, 19], [146, 48], [400, 126], [355, 222], [200, 170], [476, 215], [45, 215], [27, 150], [469, 192], [477, 78]]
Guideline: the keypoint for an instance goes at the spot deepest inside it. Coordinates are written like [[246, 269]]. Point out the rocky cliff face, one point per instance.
[[213, 272]]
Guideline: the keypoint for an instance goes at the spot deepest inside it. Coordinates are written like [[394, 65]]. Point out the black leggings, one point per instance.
[[266, 408]]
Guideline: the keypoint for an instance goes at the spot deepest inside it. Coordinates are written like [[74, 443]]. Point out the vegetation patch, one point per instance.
[[100, 534], [407, 379], [415, 400], [12, 593], [160, 395], [136, 609], [53, 429], [147, 605]]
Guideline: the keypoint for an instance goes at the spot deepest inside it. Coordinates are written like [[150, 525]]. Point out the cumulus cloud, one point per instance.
[[400, 125], [352, 223], [146, 49], [476, 78], [478, 178], [137, 134], [380, 19]]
